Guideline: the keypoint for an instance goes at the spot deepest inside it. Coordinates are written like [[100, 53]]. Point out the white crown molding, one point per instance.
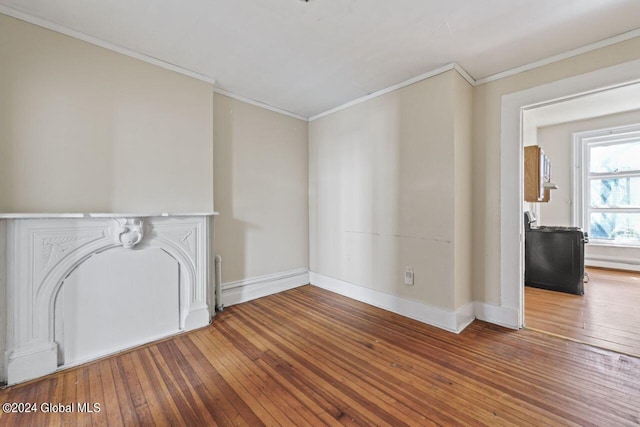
[[259, 104], [465, 75], [453, 66], [24, 16], [40, 22], [501, 75], [416, 79], [560, 57]]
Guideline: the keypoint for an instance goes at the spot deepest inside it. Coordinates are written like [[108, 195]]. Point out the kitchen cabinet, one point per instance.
[[537, 175]]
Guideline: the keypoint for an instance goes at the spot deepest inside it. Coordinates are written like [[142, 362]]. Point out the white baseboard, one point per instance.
[[464, 316], [257, 287], [453, 321], [615, 263], [507, 317], [3, 303], [32, 362]]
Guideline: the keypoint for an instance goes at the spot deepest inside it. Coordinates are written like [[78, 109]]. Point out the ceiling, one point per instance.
[[309, 57], [597, 104]]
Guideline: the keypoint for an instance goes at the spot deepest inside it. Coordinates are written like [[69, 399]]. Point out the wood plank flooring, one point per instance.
[[607, 315], [308, 357]]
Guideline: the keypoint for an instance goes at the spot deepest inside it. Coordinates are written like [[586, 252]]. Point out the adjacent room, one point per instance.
[[310, 212], [593, 145]]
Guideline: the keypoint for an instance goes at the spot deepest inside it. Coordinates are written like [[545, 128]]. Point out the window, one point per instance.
[[607, 185]]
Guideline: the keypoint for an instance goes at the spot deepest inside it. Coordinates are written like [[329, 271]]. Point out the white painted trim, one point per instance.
[[108, 353], [560, 57], [148, 215], [464, 74], [45, 215], [454, 65], [40, 22], [432, 73], [3, 302], [257, 287], [603, 261], [259, 104], [24, 16], [21, 215], [465, 315], [511, 164], [41, 253], [37, 362], [577, 192], [582, 141], [511, 196], [502, 316], [444, 319]]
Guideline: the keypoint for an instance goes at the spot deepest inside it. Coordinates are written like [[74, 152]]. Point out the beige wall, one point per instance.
[[84, 129], [382, 193], [261, 184], [486, 164], [3, 303], [557, 143], [463, 163]]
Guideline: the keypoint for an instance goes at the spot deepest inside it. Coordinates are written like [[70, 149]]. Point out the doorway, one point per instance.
[[511, 165], [605, 316]]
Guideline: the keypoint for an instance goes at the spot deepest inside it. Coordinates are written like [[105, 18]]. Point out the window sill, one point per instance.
[[614, 245]]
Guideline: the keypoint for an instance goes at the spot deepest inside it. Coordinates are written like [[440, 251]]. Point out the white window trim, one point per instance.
[[580, 158]]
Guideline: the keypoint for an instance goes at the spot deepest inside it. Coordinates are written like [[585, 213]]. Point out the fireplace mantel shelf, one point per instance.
[[103, 215]]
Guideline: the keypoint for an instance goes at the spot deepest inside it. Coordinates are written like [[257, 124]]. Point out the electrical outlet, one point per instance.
[[408, 276]]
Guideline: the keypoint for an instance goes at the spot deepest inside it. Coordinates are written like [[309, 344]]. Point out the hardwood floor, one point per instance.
[[308, 357], [607, 316]]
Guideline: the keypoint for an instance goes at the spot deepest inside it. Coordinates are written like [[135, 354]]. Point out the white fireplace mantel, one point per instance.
[[30, 215], [39, 251]]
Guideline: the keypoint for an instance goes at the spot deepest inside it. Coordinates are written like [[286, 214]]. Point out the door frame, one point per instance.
[[511, 165]]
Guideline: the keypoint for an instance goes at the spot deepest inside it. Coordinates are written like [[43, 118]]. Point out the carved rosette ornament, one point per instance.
[[128, 232]]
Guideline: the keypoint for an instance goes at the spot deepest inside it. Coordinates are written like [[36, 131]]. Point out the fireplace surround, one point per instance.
[[38, 252]]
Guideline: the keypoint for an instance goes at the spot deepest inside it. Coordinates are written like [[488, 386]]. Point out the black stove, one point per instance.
[[557, 228], [554, 256]]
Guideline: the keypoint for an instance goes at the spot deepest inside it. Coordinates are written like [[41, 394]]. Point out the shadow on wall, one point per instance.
[[230, 233], [7, 167], [261, 191]]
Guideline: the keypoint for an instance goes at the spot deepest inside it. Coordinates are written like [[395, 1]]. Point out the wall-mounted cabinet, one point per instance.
[[537, 175]]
